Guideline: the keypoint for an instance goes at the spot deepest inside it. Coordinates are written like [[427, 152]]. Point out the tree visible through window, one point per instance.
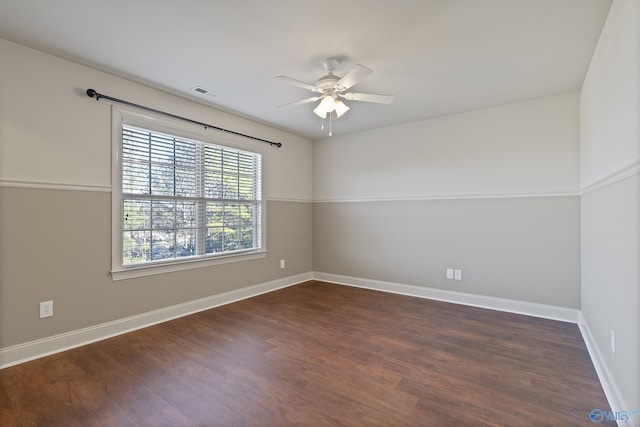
[[184, 198]]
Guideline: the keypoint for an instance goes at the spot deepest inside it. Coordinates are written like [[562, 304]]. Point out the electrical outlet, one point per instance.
[[281, 263], [458, 274], [450, 273], [46, 309], [613, 342]]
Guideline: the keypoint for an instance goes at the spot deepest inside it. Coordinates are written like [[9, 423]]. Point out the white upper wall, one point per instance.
[[525, 148], [51, 133], [610, 134]]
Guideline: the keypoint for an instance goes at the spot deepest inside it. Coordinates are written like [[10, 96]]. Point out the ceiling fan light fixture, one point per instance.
[[320, 111], [328, 103], [326, 106], [341, 108]]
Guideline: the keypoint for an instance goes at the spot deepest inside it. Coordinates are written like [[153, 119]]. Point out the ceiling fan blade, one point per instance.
[[304, 101], [369, 97], [356, 74], [297, 83]]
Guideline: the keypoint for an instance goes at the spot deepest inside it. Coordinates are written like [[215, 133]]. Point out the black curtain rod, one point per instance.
[[93, 94]]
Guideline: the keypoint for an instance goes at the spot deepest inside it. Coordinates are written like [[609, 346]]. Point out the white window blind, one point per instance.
[[184, 198]]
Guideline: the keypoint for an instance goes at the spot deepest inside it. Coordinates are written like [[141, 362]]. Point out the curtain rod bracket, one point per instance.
[[91, 93]]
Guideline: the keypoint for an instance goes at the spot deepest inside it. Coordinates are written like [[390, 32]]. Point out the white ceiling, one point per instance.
[[436, 56]]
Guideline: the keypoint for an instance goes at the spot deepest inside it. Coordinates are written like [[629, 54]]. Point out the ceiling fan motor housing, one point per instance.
[[327, 83]]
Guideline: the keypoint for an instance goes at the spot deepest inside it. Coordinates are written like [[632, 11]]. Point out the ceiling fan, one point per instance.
[[331, 88]]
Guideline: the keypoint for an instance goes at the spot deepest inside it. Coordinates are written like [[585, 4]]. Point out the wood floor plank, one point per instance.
[[317, 354], [8, 415]]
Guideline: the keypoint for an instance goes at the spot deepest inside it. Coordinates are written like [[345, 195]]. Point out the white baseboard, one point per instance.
[[21, 353], [609, 385], [501, 304]]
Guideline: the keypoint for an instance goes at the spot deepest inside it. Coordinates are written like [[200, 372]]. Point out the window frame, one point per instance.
[[126, 116]]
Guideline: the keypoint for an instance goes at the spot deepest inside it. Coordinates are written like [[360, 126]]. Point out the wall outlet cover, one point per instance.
[[46, 309]]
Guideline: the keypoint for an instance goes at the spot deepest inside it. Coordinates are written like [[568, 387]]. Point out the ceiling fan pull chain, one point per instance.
[[330, 115], [322, 126]]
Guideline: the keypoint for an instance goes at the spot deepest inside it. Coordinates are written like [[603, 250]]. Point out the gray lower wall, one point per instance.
[[526, 249], [56, 245]]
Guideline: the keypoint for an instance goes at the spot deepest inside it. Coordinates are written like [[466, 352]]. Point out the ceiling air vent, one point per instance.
[[202, 91]]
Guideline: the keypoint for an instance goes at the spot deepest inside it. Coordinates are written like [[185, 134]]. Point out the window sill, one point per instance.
[[174, 266]]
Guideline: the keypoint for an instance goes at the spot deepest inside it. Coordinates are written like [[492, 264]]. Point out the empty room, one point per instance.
[[303, 212]]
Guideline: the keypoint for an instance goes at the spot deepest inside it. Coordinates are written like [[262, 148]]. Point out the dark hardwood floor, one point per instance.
[[317, 354]]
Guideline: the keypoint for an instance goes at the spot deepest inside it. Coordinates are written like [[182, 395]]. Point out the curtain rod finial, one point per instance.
[[92, 94]]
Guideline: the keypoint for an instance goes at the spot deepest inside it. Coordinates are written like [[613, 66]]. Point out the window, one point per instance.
[[183, 199]]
